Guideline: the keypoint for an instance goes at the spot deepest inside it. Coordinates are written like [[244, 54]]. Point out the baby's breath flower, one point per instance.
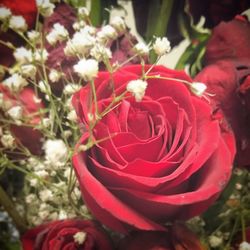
[[28, 70], [45, 7], [72, 116], [80, 237], [100, 53], [81, 43], [43, 86], [45, 195], [161, 46], [107, 33], [41, 55], [45, 122], [137, 88], [57, 34], [15, 82], [18, 23], [215, 241], [42, 173], [83, 12], [30, 198], [244, 246], [119, 24], [141, 49], [33, 35], [7, 140], [56, 152], [198, 88], [71, 88], [54, 75], [33, 182], [62, 215], [23, 55], [15, 112], [4, 13], [87, 69]]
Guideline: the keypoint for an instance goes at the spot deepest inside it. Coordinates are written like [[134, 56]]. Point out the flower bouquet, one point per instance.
[[104, 147]]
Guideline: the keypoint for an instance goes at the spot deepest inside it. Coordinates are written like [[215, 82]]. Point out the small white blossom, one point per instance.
[[15, 112], [18, 23], [198, 88], [87, 69], [28, 70], [71, 88], [42, 173], [161, 46], [44, 214], [43, 87], [100, 53], [54, 75], [215, 241], [41, 55], [23, 55], [141, 48], [45, 7], [244, 246], [107, 33], [56, 152], [7, 140], [72, 116], [57, 34], [62, 215], [80, 237], [137, 88], [33, 182], [33, 35], [81, 43], [15, 82], [119, 24], [46, 122], [4, 13], [46, 195], [83, 12], [30, 198]]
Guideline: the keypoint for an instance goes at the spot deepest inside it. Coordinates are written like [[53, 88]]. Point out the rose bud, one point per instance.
[[71, 234]]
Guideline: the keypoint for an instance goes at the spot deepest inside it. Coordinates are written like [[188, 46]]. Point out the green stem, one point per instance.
[[10, 208]]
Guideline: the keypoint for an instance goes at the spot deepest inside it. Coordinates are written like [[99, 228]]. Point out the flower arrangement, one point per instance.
[[102, 147]]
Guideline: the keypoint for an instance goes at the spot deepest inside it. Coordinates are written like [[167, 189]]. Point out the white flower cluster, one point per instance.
[[57, 34], [137, 88], [45, 7]]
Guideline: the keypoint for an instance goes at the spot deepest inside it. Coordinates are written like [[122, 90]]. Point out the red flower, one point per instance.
[[26, 135], [166, 157], [179, 237], [229, 80], [229, 40], [61, 235]]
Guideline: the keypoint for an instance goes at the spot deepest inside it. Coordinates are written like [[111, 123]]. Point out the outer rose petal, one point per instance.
[[192, 147]]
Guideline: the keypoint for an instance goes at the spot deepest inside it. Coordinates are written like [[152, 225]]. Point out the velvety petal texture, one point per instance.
[[61, 235], [157, 160]]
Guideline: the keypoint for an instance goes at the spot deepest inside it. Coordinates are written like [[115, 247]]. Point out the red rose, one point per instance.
[[179, 237], [71, 234], [229, 40], [26, 135], [230, 82], [166, 157]]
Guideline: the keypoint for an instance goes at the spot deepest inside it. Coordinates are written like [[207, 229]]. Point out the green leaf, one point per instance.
[[76, 3]]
